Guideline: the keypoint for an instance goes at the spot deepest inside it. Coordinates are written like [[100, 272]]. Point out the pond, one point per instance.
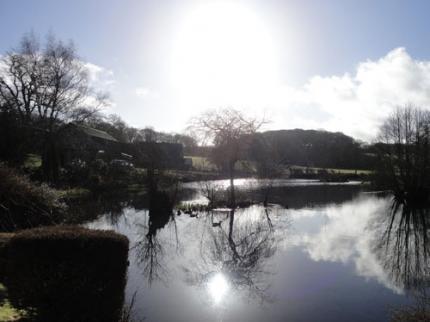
[[318, 252]]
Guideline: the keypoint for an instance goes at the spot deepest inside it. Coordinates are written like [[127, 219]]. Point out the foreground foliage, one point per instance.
[[67, 273], [24, 204]]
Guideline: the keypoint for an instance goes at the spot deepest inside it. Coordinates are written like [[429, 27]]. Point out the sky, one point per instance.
[[338, 65]]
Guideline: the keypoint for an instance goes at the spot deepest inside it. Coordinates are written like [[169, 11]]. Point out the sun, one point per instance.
[[224, 54]]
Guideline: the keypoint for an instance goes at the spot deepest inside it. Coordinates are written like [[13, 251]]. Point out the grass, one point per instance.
[[203, 164], [7, 311], [72, 193], [334, 170], [136, 188], [32, 161]]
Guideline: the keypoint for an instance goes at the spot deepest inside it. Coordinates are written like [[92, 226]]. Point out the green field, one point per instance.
[[203, 164], [333, 170], [32, 161]]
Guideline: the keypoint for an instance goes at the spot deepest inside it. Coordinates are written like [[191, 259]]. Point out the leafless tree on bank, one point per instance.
[[230, 132], [404, 153]]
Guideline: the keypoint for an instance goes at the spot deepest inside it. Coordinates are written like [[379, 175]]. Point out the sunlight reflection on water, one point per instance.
[[218, 287]]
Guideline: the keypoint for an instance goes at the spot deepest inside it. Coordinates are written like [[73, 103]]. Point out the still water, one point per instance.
[[319, 252]]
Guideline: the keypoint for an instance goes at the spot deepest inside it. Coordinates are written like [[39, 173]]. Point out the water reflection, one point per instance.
[[217, 287], [149, 250], [237, 250], [293, 194], [404, 246], [332, 247], [344, 234]]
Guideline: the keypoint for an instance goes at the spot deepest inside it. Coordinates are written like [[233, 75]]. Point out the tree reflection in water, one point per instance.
[[237, 254], [149, 250], [404, 246], [404, 250]]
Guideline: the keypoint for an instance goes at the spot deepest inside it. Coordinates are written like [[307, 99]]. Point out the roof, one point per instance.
[[94, 132]]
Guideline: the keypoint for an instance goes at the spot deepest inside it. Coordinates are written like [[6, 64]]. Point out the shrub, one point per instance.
[[24, 204], [67, 273], [4, 239], [75, 173]]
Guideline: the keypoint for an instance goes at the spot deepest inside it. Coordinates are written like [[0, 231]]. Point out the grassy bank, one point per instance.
[[7, 311], [202, 164]]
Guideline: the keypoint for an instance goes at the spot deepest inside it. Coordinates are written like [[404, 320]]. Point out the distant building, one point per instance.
[[86, 143], [188, 163], [160, 155]]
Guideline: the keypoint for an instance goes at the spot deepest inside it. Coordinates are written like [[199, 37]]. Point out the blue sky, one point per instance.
[[314, 45]]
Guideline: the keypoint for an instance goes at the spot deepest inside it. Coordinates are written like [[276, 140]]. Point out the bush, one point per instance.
[[24, 204], [75, 173], [67, 273], [4, 239]]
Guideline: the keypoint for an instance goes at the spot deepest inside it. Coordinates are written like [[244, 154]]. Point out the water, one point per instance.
[[320, 259]]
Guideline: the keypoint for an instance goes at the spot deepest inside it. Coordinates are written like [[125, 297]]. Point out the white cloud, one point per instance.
[[100, 77], [357, 103], [103, 81]]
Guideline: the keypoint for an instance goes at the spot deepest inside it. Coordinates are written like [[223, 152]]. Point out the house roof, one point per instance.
[[94, 132]]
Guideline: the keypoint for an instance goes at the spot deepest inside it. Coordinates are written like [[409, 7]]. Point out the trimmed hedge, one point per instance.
[[67, 273]]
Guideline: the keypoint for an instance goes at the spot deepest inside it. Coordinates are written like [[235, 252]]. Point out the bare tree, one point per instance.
[[212, 192], [230, 131], [404, 152], [44, 86]]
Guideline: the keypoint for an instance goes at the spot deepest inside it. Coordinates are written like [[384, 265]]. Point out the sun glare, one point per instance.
[[217, 287], [225, 53]]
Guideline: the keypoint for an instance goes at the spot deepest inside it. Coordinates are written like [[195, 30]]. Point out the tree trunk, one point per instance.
[[232, 192], [230, 228], [50, 160]]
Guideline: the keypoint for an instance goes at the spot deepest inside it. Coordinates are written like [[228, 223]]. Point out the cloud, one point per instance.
[[356, 103], [103, 81], [101, 78]]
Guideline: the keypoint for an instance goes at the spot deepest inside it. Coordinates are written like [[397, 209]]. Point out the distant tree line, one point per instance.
[[307, 148], [311, 148]]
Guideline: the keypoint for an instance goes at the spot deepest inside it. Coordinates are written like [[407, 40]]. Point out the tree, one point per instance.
[[404, 153], [230, 132], [44, 87]]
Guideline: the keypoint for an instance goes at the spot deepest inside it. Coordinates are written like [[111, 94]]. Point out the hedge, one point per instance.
[[67, 273]]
